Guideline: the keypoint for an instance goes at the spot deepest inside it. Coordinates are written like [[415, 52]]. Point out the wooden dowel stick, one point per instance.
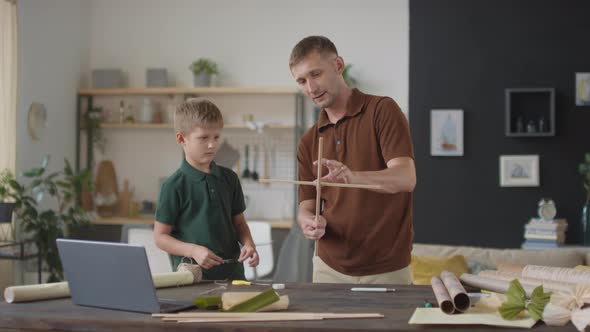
[[324, 184], [318, 187]]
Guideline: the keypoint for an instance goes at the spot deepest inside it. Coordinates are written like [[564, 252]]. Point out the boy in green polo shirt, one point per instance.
[[200, 208]]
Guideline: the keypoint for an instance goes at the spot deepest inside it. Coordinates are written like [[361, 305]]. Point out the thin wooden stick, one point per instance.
[[206, 317], [318, 187], [324, 184]]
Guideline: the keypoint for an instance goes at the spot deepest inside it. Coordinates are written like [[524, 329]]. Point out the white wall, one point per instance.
[[252, 40], [53, 58]]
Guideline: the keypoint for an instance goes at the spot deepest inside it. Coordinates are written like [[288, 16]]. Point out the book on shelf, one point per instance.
[[543, 231], [540, 245], [544, 222], [556, 238]]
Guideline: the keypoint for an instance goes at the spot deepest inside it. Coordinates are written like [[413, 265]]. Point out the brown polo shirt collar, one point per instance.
[[354, 106]]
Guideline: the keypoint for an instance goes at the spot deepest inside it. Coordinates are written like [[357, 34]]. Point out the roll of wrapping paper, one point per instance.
[[456, 291], [547, 284], [442, 296], [499, 286], [558, 274], [56, 290]]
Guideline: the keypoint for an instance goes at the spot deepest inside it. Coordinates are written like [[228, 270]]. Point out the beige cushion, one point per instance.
[[561, 257]]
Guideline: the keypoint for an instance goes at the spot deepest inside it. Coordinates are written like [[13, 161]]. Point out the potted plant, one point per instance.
[[584, 169], [350, 81], [6, 207], [203, 69], [94, 118], [44, 226]]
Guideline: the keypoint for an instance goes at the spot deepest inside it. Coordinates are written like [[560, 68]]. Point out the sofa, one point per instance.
[[569, 256]]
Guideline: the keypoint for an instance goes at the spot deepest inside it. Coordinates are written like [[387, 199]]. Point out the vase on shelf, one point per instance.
[[585, 223]]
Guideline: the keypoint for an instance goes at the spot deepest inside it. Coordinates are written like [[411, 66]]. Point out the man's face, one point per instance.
[[318, 76]]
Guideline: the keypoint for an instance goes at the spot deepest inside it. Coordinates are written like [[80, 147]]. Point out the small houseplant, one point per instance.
[[350, 81], [6, 206], [94, 119], [44, 226], [584, 169], [203, 69]]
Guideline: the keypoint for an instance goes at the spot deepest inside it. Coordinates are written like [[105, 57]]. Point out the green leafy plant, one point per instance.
[[350, 81], [44, 226], [6, 177], [516, 301], [94, 120], [203, 66], [584, 169]]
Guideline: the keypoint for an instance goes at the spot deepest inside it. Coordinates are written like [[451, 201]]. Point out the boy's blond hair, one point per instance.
[[197, 112]]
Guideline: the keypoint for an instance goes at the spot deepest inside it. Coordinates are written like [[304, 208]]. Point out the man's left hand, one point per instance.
[[337, 171]]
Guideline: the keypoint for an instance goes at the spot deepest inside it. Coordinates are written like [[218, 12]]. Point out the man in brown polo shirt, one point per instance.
[[365, 236]]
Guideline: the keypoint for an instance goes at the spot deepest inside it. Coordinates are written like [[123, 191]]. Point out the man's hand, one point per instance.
[[337, 171], [205, 257], [249, 251], [312, 229]]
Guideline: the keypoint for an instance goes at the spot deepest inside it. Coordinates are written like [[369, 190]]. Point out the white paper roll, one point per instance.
[[57, 290]]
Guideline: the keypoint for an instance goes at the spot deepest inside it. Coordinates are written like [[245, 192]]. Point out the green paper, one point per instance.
[[517, 302], [257, 302], [539, 300], [208, 302]]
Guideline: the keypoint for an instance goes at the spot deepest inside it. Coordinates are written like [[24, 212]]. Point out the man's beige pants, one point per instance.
[[322, 273]]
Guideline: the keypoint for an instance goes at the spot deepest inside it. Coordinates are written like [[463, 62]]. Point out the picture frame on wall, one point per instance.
[[519, 171], [446, 132], [582, 89]]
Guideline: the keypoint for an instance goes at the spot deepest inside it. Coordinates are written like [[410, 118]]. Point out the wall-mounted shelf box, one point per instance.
[[530, 112]]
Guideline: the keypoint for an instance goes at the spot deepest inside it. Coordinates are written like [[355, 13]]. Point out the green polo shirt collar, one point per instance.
[[196, 174]]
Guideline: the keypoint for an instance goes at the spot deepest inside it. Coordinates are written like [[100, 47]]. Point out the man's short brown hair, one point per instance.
[[310, 44], [197, 112]]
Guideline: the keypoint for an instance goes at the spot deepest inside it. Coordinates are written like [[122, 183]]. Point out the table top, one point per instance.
[[398, 306]]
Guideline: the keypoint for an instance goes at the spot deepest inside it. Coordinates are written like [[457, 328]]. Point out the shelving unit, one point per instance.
[[530, 112], [86, 101]]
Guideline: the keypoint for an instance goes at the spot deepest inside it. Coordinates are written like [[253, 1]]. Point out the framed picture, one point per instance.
[[519, 171], [446, 132], [582, 89]]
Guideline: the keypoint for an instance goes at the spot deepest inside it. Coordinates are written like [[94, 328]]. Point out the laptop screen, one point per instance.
[[108, 275]]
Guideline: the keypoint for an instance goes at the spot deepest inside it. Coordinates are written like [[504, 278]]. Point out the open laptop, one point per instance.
[[112, 276]]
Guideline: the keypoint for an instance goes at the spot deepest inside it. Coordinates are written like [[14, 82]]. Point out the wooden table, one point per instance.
[[397, 307]]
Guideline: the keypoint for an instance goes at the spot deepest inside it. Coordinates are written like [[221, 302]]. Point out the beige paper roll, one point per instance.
[[230, 299], [559, 274], [533, 282], [57, 290], [36, 292], [456, 291], [442, 296]]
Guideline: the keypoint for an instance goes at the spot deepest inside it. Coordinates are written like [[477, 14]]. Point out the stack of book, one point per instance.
[[541, 234]]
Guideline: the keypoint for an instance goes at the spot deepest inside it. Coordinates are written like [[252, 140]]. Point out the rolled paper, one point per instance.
[[442, 296], [559, 274], [27, 293], [173, 279], [57, 290], [495, 285], [510, 267], [456, 291], [533, 282]]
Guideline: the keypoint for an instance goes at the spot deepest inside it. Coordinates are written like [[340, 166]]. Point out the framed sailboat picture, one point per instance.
[[446, 132]]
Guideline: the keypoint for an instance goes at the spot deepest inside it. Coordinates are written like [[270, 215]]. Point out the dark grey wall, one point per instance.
[[463, 54]]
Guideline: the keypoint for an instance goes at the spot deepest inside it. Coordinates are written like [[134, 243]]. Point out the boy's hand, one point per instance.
[[249, 250], [312, 229], [205, 257]]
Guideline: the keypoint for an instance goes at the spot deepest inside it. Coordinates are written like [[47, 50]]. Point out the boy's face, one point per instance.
[[317, 77], [201, 145]]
